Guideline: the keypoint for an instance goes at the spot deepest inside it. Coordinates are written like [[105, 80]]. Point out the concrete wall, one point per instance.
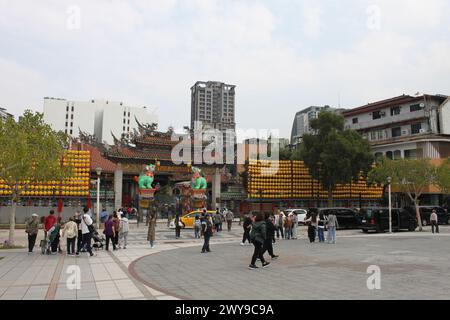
[[444, 117]]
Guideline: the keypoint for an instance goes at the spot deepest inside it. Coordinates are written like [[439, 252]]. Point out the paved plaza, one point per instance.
[[413, 266]]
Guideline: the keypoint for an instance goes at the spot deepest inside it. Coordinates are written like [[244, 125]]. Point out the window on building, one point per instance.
[[128, 128], [396, 132], [124, 121], [67, 116], [378, 155], [373, 136], [67, 109], [128, 114], [65, 131], [73, 108], [123, 129], [124, 113], [71, 132], [67, 124], [389, 155], [355, 120], [128, 121], [415, 128], [380, 135], [411, 154], [397, 154], [395, 111], [415, 107], [71, 116], [376, 115]]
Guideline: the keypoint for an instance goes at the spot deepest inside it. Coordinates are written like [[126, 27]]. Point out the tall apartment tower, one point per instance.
[[213, 103]]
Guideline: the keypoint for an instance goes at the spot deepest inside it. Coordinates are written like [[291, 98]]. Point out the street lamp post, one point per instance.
[[389, 180], [99, 172]]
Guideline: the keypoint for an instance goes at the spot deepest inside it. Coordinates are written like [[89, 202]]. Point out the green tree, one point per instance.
[[408, 176], [30, 151], [334, 155], [443, 176]]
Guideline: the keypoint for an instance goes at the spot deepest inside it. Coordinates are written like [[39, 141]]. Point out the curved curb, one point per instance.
[[132, 271]]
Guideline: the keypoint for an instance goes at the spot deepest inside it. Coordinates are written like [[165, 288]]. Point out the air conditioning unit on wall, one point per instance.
[[405, 132], [422, 131]]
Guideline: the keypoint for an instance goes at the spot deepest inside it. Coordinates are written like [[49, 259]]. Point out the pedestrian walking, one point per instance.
[[123, 231], [332, 225], [294, 225], [288, 227], [229, 217], [321, 227], [110, 232], [54, 236], [217, 220], [270, 235], [86, 231], [312, 223], [77, 220], [279, 223], [197, 226], [70, 231], [116, 220], [258, 236], [178, 223], [151, 234], [247, 225], [207, 232], [32, 229], [434, 222]]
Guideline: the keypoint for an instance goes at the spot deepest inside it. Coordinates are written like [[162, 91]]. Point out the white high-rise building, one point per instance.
[[100, 118]]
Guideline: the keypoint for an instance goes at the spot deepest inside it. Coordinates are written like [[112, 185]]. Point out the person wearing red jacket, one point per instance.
[[49, 222]]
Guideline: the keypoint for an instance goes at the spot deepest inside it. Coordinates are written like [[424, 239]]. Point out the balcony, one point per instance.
[[388, 120]]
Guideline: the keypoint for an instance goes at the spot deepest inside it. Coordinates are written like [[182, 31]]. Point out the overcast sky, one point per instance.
[[282, 55]]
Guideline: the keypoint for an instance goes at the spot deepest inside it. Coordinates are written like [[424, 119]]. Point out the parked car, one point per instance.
[[301, 214], [346, 217], [425, 213], [377, 219], [188, 219]]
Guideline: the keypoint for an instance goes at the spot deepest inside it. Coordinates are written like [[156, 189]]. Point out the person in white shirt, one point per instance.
[[86, 239], [434, 221], [70, 231], [123, 233]]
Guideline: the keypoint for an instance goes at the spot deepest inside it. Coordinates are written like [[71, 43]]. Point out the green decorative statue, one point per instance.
[[198, 181], [146, 179]]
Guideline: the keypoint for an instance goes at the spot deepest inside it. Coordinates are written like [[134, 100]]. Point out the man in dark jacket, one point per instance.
[[247, 228], [258, 236], [270, 235], [207, 232]]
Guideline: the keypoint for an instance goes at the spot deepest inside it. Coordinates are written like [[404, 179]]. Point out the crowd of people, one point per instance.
[[79, 232]]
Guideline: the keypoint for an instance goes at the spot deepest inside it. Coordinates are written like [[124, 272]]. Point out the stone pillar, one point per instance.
[[216, 186], [118, 184]]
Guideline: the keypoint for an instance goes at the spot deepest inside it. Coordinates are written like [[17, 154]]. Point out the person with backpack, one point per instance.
[[229, 216], [70, 231], [32, 229], [247, 227], [258, 236], [217, 220], [197, 226], [87, 228], [123, 231], [270, 235], [207, 232]]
